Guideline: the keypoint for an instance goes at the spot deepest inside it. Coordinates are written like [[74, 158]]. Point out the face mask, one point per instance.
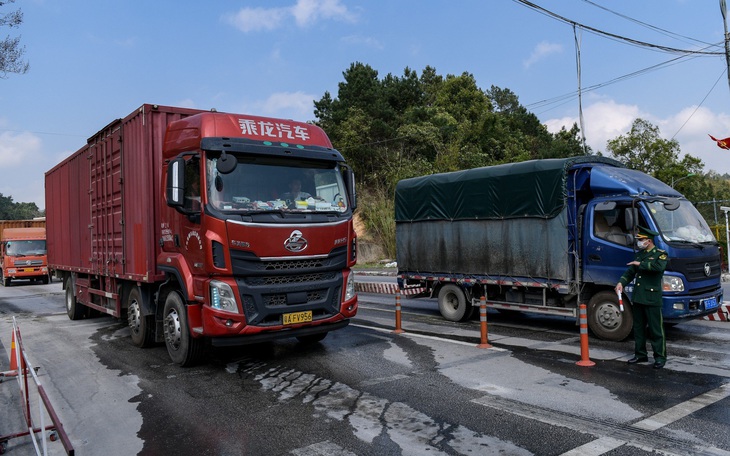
[[642, 244]]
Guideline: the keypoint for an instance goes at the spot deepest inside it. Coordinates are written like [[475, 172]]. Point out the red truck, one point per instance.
[[23, 250], [183, 221]]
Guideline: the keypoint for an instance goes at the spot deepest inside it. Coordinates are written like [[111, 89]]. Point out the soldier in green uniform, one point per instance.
[[647, 270]]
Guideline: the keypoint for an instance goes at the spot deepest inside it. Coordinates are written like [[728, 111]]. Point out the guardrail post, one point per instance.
[[584, 359], [398, 328], [483, 323]]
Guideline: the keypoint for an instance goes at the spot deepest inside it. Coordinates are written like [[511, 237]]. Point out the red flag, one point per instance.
[[721, 143]]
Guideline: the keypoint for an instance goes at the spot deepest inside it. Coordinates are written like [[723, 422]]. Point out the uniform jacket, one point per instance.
[[648, 275]]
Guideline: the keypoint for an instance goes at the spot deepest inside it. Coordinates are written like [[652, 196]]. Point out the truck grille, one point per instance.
[[694, 269], [21, 263], [271, 288], [282, 279]]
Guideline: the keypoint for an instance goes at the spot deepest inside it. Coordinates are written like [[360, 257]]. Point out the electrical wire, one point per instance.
[[664, 32], [701, 102], [614, 36]]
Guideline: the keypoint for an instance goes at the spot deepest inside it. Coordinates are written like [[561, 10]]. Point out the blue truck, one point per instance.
[[547, 235]]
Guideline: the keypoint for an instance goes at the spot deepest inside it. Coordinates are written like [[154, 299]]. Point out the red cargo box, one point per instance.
[[100, 211]]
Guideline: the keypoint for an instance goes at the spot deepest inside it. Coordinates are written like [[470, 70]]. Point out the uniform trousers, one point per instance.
[[648, 324]]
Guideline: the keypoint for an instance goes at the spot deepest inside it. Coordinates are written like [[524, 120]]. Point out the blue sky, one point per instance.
[[93, 62]]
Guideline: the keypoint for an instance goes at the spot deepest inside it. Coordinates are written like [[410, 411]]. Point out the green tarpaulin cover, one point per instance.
[[535, 188]]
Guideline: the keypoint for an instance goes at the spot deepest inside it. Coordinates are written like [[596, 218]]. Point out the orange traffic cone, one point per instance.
[[13, 355]]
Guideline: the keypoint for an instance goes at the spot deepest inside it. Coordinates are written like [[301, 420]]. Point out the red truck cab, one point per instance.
[[24, 254]]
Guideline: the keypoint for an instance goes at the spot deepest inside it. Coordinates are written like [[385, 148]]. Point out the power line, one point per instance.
[[614, 36], [649, 26]]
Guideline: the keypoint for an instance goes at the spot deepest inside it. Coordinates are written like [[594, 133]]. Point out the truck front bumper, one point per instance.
[[679, 308]]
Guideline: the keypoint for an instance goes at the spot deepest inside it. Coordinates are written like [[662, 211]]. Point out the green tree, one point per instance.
[[11, 52], [643, 149], [17, 211]]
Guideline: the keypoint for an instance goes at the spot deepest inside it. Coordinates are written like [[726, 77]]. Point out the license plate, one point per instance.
[[28, 270], [710, 303], [298, 317]]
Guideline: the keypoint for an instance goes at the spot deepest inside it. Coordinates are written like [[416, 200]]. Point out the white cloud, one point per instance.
[[307, 12], [256, 19], [18, 148], [304, 12], [606, 119], [542, 51], [286, 105], [366, 41]]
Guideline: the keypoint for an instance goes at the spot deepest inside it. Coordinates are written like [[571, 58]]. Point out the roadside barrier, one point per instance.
[[483, 323], [20, 367], [722, 314], [584, 358], [398, 328]]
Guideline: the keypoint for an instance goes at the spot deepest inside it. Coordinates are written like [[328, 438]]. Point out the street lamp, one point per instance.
[[726, 209], [684, 177]]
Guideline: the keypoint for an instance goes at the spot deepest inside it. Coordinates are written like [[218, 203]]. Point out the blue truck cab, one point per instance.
[[621, 199]]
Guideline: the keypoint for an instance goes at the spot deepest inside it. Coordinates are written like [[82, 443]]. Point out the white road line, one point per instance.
[[679, 411], [605, 444]]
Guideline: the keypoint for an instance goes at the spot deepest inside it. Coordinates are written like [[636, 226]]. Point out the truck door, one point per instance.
[[607, 241]]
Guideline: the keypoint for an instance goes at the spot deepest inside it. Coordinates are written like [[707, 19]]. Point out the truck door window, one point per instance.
[[610, 226], [192, 185]]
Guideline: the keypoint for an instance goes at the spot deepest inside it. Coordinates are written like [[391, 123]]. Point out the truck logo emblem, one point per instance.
[[28, 263], [295, 242], [707, 269]]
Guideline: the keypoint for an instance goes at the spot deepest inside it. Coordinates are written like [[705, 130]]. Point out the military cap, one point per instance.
[[646, 233]]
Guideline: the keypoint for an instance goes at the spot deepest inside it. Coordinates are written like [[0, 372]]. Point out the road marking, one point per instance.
[[605, 444], [679, 411], [425, 336]]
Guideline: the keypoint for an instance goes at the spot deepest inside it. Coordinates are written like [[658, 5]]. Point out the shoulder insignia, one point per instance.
[[663, 256]]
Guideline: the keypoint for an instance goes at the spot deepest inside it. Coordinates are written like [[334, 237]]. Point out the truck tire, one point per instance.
[[605, 318], [46, 279], [74, 310], [6, 282], [141, 326], [181, 346], [453, 304]]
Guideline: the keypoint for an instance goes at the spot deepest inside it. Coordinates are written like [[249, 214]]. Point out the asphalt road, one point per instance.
[[367, 391]]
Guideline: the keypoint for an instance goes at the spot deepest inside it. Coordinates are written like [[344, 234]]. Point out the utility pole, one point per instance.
[[723, 10]]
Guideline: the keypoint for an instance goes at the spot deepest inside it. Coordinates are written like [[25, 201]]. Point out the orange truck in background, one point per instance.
[[23, 250]]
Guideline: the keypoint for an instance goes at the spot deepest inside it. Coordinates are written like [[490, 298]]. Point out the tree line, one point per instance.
[[395, 127]]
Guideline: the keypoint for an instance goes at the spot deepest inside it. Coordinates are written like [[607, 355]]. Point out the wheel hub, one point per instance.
[[609, 316], [172, 329]]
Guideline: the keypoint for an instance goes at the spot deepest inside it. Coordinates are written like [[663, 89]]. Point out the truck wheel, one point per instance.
[[181, 346], [452, 303], [74, 310], [142, 326], [6, 282], [46, 279], [605, 318]]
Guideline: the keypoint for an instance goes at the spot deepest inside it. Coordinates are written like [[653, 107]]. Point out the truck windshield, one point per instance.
[[684, 224], [24, 248], [259, 184]]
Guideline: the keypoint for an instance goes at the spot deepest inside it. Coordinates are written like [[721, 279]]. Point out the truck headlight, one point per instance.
[[672, 283], [350, 287], [12, 271], [222, 297]]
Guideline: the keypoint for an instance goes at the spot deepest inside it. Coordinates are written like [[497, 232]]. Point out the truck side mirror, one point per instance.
[[174, 190], [352, 193]]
